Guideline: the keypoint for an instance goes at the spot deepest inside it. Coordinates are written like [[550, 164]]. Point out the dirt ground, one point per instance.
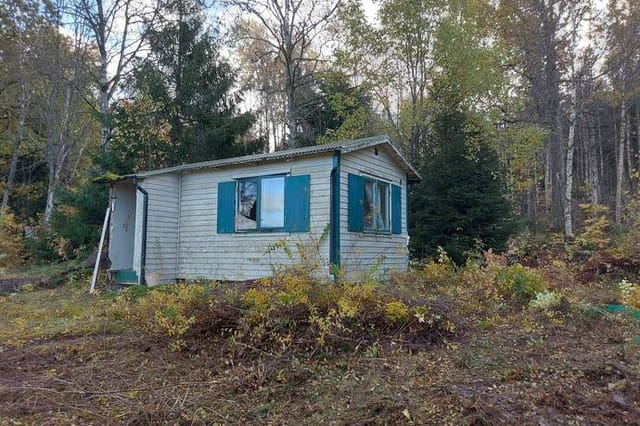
[[550, 374], [9, 285]]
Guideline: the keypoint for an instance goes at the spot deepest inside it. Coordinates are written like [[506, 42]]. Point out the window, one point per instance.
[[376, 205], [260, 203], [264, 203]]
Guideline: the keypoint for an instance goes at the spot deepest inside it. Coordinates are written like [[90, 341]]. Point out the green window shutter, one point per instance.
[[297, 203], [226, 207], [356, 203], [396, 209]]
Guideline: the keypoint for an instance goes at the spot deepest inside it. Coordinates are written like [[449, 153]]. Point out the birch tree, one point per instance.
[[291, 30], [66, 73], [395, 57], [21, 46], [623, 67], [119, 29]]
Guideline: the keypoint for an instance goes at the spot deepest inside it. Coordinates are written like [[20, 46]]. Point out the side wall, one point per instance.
[[361, 251], [162, 227], [243, 256]]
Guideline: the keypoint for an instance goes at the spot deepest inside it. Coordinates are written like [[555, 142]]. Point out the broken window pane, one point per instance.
[[246, 219], [272, 202]]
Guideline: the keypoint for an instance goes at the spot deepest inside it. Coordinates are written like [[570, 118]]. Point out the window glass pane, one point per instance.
[[272, 202], [247, 204], [382, 211], [369, 204]]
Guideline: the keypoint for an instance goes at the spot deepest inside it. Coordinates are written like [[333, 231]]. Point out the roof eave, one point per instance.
[[412, 173]]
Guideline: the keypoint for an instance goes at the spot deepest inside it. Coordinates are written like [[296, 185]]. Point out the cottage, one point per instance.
[[222, 219]]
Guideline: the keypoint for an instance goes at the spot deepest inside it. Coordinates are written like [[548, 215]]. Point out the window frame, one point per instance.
[[376, 205], [259, 228]]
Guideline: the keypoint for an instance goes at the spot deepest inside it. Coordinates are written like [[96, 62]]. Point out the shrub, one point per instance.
[[78, 219], [11, 242], [519, 282], [397, 312], [438, 272], [545, 300], [288, 311], [628, 246], [167, 311], [595, 233], [629, 294]]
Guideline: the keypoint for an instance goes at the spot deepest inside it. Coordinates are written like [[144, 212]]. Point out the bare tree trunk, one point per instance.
[[620, 163], [534, 194], [627, 144], [52, 184], [568, 189], [592, 161], [291, 69], [557, 170], [548, 189], [22, 115], [103, 105], [600, 156], [638, 132], [291, 116]]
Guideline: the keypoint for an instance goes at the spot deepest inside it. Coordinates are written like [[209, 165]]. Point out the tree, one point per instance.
[[119, 29], [67, 74], [140, 140], [263, 83], [289, 30], [544, 31], [460, 206], [623, 68], [20, 32], [51, 75], [396, 58], [333, 110], [186, 90]]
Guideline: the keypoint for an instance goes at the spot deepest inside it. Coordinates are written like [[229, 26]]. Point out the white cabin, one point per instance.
[[229, 219]]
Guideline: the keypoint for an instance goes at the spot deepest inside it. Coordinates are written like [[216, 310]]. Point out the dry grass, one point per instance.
[[508, 365]]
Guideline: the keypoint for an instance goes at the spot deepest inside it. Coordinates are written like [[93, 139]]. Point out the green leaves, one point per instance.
[[183, 110]]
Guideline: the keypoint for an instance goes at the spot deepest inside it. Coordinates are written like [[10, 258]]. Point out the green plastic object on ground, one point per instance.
[[623, 309]]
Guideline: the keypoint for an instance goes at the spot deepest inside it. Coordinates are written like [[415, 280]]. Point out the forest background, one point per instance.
[[523, 116]]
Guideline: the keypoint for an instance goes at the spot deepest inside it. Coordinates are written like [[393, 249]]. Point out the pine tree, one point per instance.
[[460, 205], [186, 88]]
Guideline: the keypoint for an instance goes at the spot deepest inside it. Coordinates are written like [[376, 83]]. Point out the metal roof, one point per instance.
[[343, 147]]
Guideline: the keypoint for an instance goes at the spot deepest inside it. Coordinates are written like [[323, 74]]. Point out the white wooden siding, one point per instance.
[[162, 227], [242, 256], [361, 251]]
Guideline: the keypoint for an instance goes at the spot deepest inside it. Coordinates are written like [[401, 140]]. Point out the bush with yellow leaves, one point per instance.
[[11, 243], [596, 227], [290, 311], [301, 310], [167, 311], [629, 294]]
